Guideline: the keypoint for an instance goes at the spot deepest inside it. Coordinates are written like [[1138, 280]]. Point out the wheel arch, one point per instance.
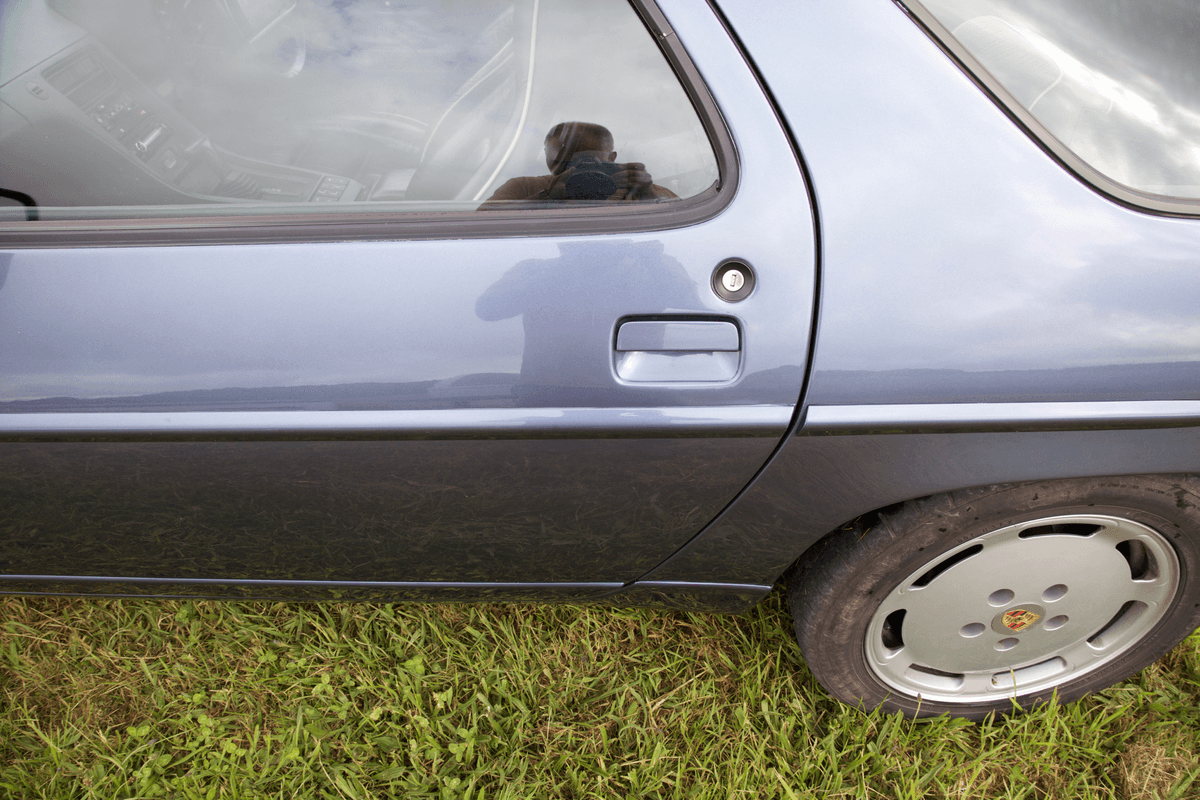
[[858, 526], [817, 486]]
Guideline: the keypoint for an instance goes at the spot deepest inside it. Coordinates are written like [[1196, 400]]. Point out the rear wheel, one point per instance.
[[967, 602]]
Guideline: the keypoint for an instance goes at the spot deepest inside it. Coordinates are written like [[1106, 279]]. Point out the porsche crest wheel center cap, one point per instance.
[[1018, 619]]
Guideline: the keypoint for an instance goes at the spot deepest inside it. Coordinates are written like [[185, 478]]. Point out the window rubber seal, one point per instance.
[[363, 225], [1162, 205]]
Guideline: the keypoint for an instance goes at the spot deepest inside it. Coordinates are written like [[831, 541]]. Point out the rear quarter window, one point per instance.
[[1111, 86]]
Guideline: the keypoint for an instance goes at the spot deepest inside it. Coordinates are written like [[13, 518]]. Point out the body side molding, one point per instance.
[[992, 417]]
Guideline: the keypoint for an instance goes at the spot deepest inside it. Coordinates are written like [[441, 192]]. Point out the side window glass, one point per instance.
[[198, 108], [1114, 81]]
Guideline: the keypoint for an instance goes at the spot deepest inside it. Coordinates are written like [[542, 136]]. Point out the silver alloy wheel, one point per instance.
[[1022, 609]]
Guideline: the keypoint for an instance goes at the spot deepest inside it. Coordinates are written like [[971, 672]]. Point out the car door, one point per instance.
[[264, 333]]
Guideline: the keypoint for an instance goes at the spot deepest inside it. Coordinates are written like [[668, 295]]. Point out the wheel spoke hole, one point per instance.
[[1110, 633], [1060, 529], [1031, 674], [935, 678], [1007, 644], [972, 630], [1001, 597], [1054, 623], [942, 566], [1142, 566], [1055, 592], [893, 630]]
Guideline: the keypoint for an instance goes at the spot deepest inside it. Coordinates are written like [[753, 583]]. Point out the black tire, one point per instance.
[[939, 606]]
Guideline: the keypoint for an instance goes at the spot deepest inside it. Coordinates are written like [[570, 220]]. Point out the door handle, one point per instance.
[[677, 351]]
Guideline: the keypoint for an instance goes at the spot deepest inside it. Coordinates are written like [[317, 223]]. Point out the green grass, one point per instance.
[[116, 699]]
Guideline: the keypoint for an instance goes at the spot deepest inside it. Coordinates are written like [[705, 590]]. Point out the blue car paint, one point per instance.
[[961, 268], [415, 415], [959, 260], [960, 265]]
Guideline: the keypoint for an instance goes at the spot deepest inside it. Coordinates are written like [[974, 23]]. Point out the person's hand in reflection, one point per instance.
[[583, 167]]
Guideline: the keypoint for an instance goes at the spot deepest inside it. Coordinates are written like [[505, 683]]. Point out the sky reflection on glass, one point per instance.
[[1116, 81]]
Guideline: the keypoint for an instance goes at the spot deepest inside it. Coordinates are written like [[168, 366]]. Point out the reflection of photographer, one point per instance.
[[570, 305], [583, 167]]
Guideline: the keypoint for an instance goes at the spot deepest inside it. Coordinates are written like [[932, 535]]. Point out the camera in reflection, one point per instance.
[[589, 178]]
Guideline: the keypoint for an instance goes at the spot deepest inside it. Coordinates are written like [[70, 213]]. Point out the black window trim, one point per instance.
[[1129, 197], [363, 225]]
